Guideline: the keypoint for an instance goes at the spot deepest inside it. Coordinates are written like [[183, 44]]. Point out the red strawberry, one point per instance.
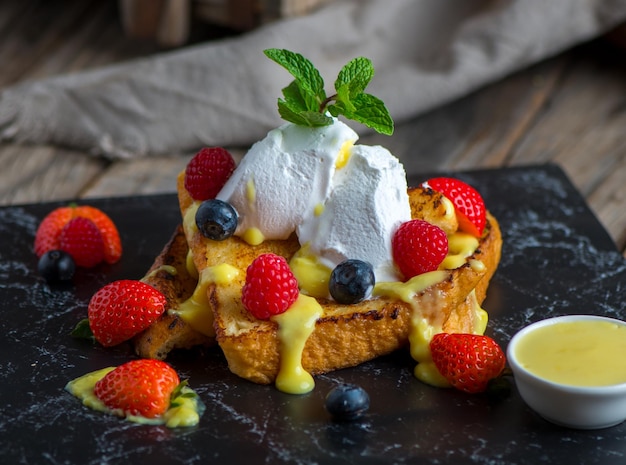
[[139, 387], [469, 204], [270, 286], [467, 361], [123, 309], [418, 247], [82, 240], [49, 232], [207, 172], [47, 236]]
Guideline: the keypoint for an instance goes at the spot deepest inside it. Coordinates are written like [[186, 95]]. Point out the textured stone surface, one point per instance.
[[557, 259]]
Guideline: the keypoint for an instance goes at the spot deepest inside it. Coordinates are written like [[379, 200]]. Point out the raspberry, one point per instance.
[[207, 172], [270, 286], [110, 235], [81, 238], [418, 247]]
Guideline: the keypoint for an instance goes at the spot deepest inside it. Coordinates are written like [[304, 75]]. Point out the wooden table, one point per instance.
[[569, 110]]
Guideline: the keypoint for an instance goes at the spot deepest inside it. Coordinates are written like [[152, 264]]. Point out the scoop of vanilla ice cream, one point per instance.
[[284, 176], [368, 202]]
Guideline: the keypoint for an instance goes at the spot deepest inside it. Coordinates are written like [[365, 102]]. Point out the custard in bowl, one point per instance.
[[572, 370]]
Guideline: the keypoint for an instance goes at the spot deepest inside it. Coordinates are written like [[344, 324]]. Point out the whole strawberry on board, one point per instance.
[[85, 232], [469, 204], [145, 391], [467, 361], [120, 310], [140, 387]]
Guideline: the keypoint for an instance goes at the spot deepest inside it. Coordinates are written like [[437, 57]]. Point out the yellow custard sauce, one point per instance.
[[422, 330], [582, 352], [196, 310], [294, 328], [185, 413]]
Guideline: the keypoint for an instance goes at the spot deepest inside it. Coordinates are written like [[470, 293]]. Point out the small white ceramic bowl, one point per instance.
[[579, 407]]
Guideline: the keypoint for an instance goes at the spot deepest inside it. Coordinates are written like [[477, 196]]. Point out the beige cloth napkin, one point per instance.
[[425, 52]]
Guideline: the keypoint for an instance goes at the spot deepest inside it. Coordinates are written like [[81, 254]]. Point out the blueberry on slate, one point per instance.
[[351, 281], [216, 219], [347, 402], [56, 266]]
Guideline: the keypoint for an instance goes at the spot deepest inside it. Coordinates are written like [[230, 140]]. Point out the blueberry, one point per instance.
[[56, 266], [216, 219], [351, 281], [347, 402]]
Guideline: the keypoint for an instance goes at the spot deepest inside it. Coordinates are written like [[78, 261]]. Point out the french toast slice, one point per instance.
[[169, 274], [345, 335]]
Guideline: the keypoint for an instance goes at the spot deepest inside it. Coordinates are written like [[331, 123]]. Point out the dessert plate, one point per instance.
[[557, 259]]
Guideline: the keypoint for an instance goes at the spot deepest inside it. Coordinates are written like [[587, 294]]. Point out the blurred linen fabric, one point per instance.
[[425, 53]]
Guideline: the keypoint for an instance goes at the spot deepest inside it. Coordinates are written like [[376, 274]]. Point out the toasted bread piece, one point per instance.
[[169, 274], [345, 335]]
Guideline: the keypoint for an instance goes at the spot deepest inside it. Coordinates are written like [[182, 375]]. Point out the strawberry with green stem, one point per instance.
[[143, 391], [139, 387], [120, 310]]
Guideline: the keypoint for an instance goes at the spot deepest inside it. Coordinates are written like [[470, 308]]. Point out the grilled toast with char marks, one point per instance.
[[170, 275]]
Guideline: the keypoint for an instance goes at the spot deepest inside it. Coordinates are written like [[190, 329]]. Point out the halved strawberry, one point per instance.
[[122, 309], [139, 387], [418, 247], [469, 204], [49, 230], [48, 235], [467, 361]]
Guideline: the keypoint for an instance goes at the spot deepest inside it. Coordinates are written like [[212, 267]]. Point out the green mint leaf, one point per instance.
[[303, 118], [287, 113], [371, 112], [305, 102], [307, 76], [354, 77], [342, 99], [83, 331], [298, 101], [316, 119]]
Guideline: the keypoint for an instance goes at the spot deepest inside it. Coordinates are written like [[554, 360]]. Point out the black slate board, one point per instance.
[[557, 259]]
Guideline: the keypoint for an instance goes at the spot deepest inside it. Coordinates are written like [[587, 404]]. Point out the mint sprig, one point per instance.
[[305, 102]]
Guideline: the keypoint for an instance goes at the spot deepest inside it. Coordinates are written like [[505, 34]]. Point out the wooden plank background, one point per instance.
[[569, 110]]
